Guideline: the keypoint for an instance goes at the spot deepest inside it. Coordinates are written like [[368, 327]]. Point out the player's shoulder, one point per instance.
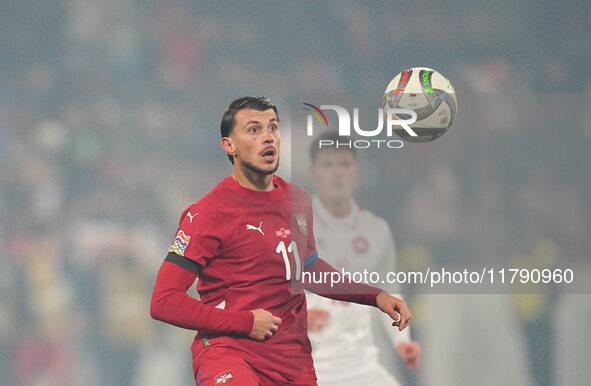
[[368, 218], [295, 191], [300, 199], [211, 204], [300, 193]]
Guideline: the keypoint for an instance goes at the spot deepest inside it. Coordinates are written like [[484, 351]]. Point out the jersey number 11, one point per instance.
[[292, 248]]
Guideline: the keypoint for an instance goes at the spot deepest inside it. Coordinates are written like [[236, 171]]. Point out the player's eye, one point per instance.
[[252, 129]]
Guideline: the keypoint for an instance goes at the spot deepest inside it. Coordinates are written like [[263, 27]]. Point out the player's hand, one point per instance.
[[396, 308], [410, 353], [317, 319], [265, 325]]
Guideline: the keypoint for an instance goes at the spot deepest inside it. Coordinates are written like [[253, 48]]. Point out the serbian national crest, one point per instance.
[[301, 221]]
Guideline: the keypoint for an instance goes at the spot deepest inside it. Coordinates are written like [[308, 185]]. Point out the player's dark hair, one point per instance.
[[333, 136], [259, 103]]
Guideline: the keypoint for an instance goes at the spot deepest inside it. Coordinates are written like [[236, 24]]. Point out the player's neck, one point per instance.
[[337, 207], [252, 180]]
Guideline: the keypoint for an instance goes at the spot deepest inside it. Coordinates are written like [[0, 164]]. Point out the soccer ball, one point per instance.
[[430, 95]]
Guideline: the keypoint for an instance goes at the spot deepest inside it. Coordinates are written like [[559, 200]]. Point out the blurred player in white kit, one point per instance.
[[343, 341]]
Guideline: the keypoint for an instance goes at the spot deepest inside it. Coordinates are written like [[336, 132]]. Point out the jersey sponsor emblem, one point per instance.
[[181, 241], [259, 228], [225, 377], [191, 216], [301, 221], [283, 233]]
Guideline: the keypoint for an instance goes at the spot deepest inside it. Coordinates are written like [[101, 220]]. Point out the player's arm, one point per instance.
[[347, 290], [171, 304]]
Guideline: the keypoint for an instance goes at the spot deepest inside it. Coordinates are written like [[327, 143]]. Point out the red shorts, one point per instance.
[[214, 366]]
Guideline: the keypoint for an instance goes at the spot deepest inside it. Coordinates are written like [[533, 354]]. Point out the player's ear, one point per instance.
[[228, 145]]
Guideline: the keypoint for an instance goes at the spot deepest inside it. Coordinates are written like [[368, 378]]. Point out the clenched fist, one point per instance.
[[265, 325]]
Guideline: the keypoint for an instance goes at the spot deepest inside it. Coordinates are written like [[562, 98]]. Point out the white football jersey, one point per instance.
[[344, 351]]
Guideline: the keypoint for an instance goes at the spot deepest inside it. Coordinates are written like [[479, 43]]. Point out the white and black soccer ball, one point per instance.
[[430, 95]]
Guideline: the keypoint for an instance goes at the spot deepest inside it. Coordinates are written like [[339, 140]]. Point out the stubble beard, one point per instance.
[[259, 171]]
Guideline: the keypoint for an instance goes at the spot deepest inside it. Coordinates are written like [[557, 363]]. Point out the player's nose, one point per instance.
[[268, 136]]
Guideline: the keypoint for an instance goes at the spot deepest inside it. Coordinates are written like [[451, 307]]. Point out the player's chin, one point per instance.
[[270, 167]]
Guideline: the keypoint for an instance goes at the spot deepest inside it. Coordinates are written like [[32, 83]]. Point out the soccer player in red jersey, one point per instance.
[[248, 240]]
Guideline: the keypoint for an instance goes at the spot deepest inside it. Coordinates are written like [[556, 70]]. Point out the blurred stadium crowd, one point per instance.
[[108, 109]]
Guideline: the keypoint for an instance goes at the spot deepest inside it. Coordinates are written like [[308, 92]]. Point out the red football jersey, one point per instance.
[[252, 247]]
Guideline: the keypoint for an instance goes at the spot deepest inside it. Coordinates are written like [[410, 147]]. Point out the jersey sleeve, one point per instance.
[[197, 240], [171, 304], [344, 289]]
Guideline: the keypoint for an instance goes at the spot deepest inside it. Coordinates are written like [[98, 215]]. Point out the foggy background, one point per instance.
[[109, 128]]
